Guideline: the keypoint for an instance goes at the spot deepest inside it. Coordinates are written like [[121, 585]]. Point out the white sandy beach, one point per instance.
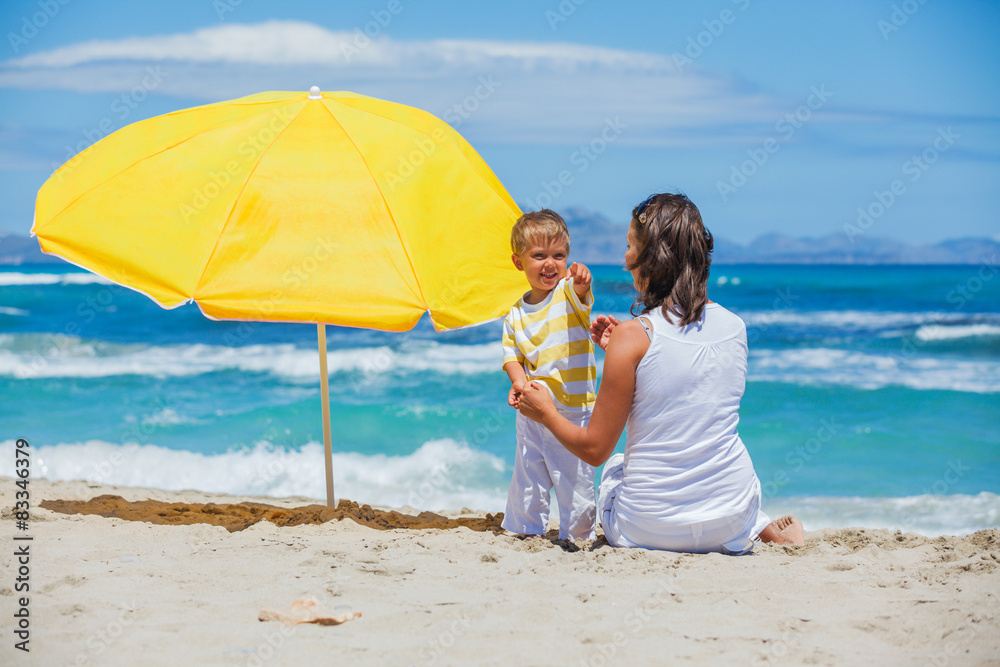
[[108, 591]]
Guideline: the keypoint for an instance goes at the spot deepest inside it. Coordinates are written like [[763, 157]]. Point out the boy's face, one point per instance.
[[543, 263]]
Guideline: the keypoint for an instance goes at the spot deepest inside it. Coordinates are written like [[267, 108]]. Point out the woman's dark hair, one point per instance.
[[674, 256]]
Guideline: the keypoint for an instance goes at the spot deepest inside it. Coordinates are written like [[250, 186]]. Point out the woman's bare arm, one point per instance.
[[595, 443]]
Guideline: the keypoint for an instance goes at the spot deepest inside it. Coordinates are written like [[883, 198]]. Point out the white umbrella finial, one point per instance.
[[314, 93]]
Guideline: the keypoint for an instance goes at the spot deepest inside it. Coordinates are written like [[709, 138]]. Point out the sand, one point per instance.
[[114, 591]]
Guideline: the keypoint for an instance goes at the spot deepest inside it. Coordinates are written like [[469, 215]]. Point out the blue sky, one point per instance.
[[773, 117]]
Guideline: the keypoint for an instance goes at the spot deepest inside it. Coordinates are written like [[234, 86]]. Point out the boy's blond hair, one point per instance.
[[544, 224]]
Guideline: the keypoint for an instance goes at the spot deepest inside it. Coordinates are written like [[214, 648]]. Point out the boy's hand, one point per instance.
[[581, 279], [514, 395], [601, 328]]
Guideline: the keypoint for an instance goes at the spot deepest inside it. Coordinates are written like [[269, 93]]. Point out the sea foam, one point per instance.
[[937, 332], [52, 279], [930, 515], [440, 474], [868, 370], [883, 323], [26, 356], [46, 356]]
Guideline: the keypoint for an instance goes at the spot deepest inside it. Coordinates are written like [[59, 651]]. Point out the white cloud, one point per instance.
[[536, 92], [276, 43]]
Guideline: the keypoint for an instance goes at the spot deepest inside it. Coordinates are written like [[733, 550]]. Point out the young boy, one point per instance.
[[546, 339]]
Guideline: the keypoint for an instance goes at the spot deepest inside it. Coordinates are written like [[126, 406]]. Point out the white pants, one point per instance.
[[729, 535], [540, 464]]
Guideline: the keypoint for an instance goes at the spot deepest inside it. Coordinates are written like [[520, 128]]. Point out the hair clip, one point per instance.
[[640, 210]]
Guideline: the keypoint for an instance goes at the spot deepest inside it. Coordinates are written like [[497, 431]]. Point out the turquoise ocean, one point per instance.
[[873, 395]]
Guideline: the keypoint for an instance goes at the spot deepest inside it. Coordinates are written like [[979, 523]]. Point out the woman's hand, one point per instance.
[[535, 402], [601, 328], [594, 443]]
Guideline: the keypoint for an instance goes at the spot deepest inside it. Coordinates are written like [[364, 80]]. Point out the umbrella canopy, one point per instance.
[[320, 207]]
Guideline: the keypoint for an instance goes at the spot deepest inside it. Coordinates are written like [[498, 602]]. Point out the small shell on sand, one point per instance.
[[304, 610]]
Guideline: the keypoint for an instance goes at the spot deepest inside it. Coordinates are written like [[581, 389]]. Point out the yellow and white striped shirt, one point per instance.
[[551, 341]]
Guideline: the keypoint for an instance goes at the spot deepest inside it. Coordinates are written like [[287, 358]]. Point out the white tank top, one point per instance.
[[684, 460]]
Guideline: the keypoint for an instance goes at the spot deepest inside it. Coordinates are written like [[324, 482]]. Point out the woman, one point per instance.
[[675, 377]]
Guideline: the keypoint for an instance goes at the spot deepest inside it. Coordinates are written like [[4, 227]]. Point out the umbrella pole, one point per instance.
[[324, 390]]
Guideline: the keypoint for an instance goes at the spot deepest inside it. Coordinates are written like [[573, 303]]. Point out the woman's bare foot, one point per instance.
[[784, 530]]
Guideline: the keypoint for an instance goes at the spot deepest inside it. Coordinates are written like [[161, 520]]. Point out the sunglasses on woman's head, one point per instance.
[[640, 211]]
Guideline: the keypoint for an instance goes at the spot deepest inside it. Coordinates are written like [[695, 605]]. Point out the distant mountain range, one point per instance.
[[598, 240], [17, 250]]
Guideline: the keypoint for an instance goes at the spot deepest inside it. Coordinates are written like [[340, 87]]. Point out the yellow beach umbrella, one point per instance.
[[333, 208]]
